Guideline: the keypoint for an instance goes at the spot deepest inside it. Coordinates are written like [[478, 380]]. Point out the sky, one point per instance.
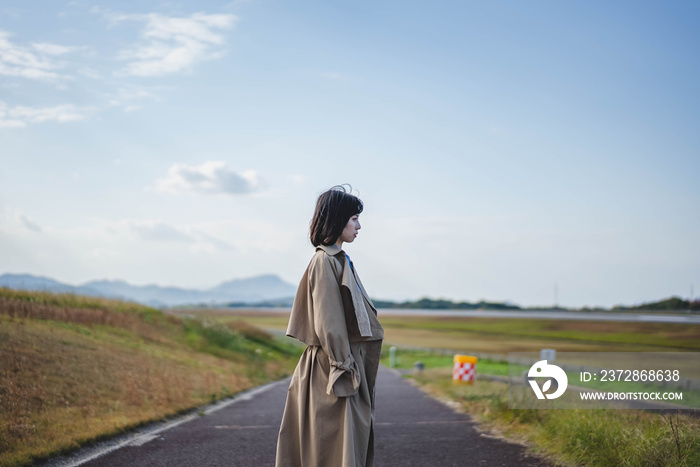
[[528, 152]]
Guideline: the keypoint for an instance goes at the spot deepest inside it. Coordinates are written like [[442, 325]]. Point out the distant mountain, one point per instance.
[[29, 282], [264, 288], [259, 288]]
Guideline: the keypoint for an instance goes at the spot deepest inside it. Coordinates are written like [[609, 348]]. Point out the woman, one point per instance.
[[328, 418]]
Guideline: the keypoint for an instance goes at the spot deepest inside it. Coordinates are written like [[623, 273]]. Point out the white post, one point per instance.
[[548, 354]]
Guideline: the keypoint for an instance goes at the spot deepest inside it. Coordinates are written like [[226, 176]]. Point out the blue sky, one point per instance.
[[499, 147]]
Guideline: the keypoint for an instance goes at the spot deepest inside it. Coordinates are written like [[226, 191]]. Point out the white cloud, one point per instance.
[[209, 178], [129, 98], [173, 44], [28, 223], [168, 44], [20, 116], [52, 49], [19, 61]]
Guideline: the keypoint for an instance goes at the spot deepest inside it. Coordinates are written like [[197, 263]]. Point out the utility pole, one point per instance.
[[556, 295]]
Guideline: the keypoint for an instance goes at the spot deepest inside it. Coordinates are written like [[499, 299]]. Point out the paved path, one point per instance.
[[412, 430]]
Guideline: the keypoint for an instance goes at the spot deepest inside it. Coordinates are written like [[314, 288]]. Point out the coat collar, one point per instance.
[[330, 249], [352, 283]]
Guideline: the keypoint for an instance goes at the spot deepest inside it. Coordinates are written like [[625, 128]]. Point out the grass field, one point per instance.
[[500, 336], [76, 369]]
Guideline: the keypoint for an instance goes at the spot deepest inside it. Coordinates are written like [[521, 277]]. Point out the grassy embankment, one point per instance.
[[76, 369], [567, 437]]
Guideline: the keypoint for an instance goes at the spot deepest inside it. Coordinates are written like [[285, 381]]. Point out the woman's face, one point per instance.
[[351, 228]]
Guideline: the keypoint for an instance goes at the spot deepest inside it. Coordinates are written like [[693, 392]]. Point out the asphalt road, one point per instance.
[[412, 429]]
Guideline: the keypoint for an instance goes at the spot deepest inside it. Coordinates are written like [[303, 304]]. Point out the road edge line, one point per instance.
[[95, 451]]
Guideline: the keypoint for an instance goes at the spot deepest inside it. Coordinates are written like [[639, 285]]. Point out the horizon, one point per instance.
[[528, 153], [257, 276], [425, 297]]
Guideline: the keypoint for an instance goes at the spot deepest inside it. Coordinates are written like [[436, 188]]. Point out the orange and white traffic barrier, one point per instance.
[[464, 369]]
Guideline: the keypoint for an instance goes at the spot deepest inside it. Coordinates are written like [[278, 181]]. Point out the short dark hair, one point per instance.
[[334, 209]]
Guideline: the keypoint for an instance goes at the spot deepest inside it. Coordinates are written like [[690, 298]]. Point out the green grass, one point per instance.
[[406, 358]]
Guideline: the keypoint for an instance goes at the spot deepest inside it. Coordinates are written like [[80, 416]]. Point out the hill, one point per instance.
[[667, 304], [266, 287], [75, 369]]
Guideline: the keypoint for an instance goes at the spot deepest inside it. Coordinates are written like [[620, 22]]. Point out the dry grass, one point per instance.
[[499, 344], [70, 373], [513, 335], [67, 308], [259, 318]]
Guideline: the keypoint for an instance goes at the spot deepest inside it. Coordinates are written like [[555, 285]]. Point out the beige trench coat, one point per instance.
[[328, 418]]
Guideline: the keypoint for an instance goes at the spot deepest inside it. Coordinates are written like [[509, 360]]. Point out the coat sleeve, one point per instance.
[[331, 329]]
